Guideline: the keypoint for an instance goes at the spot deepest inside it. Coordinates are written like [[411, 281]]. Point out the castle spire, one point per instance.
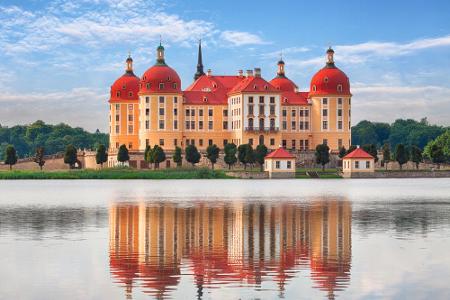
[[200, 71], [330, 58], [129, 64], [280, 72], [160, 55]]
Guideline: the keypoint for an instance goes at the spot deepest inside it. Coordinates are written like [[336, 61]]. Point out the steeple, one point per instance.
[[280, 72], [199, 62], [129, 64], [160, 61], [330, 58]]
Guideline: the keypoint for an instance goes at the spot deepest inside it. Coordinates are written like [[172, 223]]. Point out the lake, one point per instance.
[[225, 239]]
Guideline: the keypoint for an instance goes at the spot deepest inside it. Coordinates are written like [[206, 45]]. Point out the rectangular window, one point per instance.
[[188, 125], [325, 141], [175, 124], [210, 112], [192, 112], [289, 164], [225, 142], [161, 142], [284, 113], [147, 111], [117, 129], [301, 112], [147, 124], [210, 142], [324, 101], [284, 123], [175, 142], [161, 100], [339, 112], [175, 100], [161, 86], [272, 142], [302, 125], [186, 112], [293, 125], [250, 109], [200, 142], [193, 125], [175, 111], [306, 145], [261, 99], [161, 124], [293, 113], [306, 125], [210, 125], [250, 141], [272, 99], [325, 125], [250, 99], [117, 118], [261, 110], [356, 164], [277, 164], [161, 111], [225, 125], [147, 100], [130, 145], [200, 125], [130, 106], [340, 125], [117, 107], [306, 112], [293, 144], [339, 143], [324, 112], [339, 101], [272, 109], [367, 164], [225, 112], [147, 142], [283, 143], [130, 128]]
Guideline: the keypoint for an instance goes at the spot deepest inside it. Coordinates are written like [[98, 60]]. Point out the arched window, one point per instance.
[[175, 85], [250, 123], [118, 94], [147, 86], [261, 124], [314, 88]]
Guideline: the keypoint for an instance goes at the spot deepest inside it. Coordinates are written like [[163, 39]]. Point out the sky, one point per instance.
[[59, 58]]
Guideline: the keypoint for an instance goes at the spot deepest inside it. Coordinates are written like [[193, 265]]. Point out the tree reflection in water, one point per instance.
[[227, 243]]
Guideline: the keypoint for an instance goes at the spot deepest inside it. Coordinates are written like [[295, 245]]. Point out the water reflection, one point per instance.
[[153, 245]]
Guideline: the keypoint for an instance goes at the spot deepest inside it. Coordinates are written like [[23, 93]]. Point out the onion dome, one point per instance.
[[330, 80], [281, 82], [127, 86], [160, 78]]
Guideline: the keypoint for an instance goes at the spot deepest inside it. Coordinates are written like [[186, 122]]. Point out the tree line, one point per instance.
[[26, 139]]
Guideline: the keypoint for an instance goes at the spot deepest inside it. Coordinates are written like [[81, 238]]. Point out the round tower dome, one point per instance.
[[126, 87], [330, 80], [160, 78]]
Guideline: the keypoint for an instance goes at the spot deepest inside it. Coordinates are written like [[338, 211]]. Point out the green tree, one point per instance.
[[177, 158], [70, 156], [212, 153], [39, 157], [386, 154], [437, 155], [192, 154], [443, 141], [10, 156], [322, 155], [122, 154], [342, 152], [260, 153], [246, 155], [149, 155], [230, 154], [372, 150], [158, 155], [416, 156], [101, 156], [401, 155]]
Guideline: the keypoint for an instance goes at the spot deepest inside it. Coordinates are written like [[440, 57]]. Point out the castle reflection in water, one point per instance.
[[246, 243]]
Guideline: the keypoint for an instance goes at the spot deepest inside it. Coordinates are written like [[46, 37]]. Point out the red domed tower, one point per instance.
[[160, 104], [281, 82], [124, 110], [331, 99]]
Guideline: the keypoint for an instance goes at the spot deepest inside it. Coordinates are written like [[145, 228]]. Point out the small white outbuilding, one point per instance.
[[280, 164], [356, 162]]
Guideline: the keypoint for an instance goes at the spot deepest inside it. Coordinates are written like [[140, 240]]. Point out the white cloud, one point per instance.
[[285, 51], [84, 107], [241, 38], [388, 103]]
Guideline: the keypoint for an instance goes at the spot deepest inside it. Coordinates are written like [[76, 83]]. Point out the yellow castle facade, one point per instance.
[[219, 109]]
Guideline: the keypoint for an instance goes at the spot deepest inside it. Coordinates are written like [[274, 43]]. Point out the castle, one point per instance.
[[219, 109]]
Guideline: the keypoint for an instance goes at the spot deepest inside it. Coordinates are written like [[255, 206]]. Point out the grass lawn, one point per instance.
[[117, 173], [327, 174]]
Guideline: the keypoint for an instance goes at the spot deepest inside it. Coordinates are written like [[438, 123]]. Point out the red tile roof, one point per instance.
[[253, 84], [294, 98], [358, 153], [213, 88], [280, 153]]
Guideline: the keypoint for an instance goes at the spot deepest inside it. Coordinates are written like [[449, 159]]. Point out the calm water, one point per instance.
[[232, 239]]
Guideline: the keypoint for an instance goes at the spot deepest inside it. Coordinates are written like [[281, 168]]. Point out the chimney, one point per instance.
[[209, 72], [249, 73], [240, 73], [257, 72]]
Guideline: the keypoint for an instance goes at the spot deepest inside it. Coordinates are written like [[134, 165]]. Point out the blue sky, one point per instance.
[[60, 57]]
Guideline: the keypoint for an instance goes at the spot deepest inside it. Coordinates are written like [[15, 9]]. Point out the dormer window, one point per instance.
[[205, 99], [325, 79], [124, 86], [169, 78], [314, 88], [140, 85], [214, 85], [254, 87], [266, 87], [174, 85], [161, 86], [339, 87], [147, 86], [118, 94], [130, 94]]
